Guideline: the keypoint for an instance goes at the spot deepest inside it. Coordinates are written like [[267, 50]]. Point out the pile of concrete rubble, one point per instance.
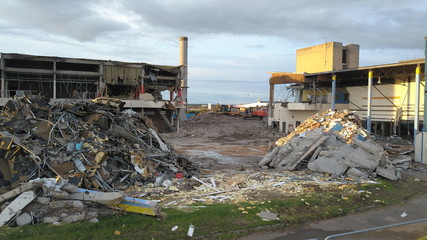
[[82, 145], [334, 142]]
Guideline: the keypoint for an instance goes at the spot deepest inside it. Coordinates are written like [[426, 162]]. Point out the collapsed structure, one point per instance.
[[334, 142], [87, 144], [159, 91]]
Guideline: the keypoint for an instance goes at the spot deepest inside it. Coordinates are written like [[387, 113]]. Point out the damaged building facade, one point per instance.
[[139, 85], [384, 96]]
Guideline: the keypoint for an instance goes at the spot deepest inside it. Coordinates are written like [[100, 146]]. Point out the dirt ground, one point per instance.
[[219, 142]]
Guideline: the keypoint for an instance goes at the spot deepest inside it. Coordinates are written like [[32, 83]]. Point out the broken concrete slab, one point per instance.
[[16, 206], [105, 198], [268, 216], [360, 158], [357, 174], [370, 146], [328, 165], [19, 190], [387, 172]]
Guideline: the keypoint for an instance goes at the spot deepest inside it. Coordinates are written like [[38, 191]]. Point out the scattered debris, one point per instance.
[[190, 230], [335, 143], [268, 216], [93, 144], [16, 206], [57, 202], [404, 214], [174, 228], [52, 155]]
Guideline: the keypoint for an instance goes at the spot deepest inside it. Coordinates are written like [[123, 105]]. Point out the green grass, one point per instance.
[[220, 221]]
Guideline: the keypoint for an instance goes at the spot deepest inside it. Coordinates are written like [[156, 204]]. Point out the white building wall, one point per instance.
[[385, 106]]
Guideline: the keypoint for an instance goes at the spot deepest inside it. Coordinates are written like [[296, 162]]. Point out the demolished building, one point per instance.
[[141, 86], [328, 76]]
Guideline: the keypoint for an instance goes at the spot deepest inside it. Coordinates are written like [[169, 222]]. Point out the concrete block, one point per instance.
[[78, 205], [59, 194], [70, 188], [24, 219], [328, 165], [357, 174], [360, 158], [370, 146], [75, 218], [43, 200], [16, 206], [387, 172], [94, 220], [50, 219], [331, 141]]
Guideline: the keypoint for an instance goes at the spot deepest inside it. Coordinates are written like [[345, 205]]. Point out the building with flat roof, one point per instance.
[[329, 56]]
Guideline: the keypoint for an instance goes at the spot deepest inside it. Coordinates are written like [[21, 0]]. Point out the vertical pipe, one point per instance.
[[334, 87], [369, 111], [417, 100], [3, 91], [425, 87], [271, 106], [183, 61], [54, 79]]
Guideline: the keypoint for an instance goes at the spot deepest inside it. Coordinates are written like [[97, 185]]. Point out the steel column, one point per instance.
[[417, 101], [54, 80], [369, 111], [3, 90], [425, 87], [334, 87]]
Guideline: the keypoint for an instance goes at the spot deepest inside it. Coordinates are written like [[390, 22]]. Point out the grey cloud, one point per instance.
[[74, 18], [372, 24]]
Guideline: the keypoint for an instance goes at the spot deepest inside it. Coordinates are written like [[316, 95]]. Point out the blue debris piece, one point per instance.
[[337, 127]]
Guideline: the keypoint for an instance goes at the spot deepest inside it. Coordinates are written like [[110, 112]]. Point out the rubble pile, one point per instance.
[[51, 155], [333, 142], [50, 200], [92, 144]]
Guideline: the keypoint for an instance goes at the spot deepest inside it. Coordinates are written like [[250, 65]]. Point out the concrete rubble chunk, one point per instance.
[[19, 190], [50, 219], [43, 200], [105, 198], [24, 219], [268, 216], [16, 206], [357, 174], [387, 172], [328, 165], [360, 158]]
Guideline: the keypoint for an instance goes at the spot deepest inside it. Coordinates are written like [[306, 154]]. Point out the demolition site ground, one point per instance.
[[229, 195]]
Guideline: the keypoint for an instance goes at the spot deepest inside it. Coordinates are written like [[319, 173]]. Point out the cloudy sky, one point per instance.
[[232, 44]]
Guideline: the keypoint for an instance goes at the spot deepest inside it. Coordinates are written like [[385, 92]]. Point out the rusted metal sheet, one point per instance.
[[282, 78]]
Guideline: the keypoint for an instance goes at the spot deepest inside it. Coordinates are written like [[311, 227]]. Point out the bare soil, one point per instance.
[[217, 141]]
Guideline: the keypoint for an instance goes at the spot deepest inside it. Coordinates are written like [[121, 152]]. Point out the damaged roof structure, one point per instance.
[[138, 85]]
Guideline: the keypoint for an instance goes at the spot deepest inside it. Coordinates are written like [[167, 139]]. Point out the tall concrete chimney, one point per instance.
[[183, 60]]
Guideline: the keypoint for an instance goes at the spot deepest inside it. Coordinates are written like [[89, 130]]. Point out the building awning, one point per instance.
[[283, 77]]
